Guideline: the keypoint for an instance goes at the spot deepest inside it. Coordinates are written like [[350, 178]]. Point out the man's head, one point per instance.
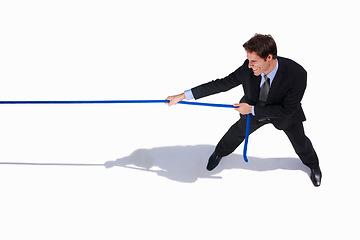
[[261, 53]]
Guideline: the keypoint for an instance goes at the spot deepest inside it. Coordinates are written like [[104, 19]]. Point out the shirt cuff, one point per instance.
[[189, 95], [253, 110]]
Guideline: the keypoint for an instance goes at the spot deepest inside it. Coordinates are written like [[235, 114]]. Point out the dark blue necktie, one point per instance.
[[264, 91]]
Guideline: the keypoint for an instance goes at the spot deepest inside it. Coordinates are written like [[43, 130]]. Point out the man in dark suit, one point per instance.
[[273, 89]]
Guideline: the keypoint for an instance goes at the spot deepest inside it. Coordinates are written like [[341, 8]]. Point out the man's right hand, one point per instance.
[[175, 99]]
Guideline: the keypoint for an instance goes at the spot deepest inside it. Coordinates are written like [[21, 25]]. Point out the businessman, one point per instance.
[[273, 88]]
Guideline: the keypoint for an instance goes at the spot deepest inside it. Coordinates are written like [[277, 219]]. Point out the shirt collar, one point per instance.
[[272, 74]]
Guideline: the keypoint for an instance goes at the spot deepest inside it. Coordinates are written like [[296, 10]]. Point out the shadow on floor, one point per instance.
[[188, 163]]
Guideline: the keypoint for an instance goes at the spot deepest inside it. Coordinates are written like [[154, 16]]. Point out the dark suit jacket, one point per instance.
[[283, 105]]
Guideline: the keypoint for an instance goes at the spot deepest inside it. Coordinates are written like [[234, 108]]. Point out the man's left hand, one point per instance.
[[242, 108]]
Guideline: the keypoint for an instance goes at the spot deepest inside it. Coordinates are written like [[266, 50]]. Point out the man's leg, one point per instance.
[[305, 150], [236, 135], [302, 145], [232, 139]]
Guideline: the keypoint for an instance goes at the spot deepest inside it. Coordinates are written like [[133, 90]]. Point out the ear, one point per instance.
[[269, 57]]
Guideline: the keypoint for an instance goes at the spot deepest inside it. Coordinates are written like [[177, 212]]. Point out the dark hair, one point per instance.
[[262, 45]]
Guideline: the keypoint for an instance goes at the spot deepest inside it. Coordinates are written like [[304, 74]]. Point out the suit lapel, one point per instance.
[[255, 87], [277, 80]]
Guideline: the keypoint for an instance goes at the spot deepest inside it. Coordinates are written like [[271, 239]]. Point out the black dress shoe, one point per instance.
[[214, 160], [315, 176]]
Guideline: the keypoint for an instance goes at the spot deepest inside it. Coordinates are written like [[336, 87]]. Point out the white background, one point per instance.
[[137, 171]]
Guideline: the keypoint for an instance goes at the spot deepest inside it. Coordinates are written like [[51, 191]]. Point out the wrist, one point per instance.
[[182, 96]]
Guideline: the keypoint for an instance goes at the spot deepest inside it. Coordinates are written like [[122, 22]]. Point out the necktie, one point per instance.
[[264, 91]]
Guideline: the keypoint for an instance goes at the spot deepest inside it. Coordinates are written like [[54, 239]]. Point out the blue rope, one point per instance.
[[141, 101], [247, 136], [115, 101]]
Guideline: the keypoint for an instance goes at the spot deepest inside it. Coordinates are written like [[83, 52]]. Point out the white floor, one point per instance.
[[138, 171]]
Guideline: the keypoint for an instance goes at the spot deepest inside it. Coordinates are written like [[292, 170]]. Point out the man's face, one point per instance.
[[258, 64]]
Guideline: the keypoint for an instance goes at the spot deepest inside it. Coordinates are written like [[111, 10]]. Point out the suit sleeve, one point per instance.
[[219, 85], [291, 101]]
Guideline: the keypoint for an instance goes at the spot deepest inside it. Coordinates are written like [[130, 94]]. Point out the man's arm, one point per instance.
[[219, 85], [213, 87]]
